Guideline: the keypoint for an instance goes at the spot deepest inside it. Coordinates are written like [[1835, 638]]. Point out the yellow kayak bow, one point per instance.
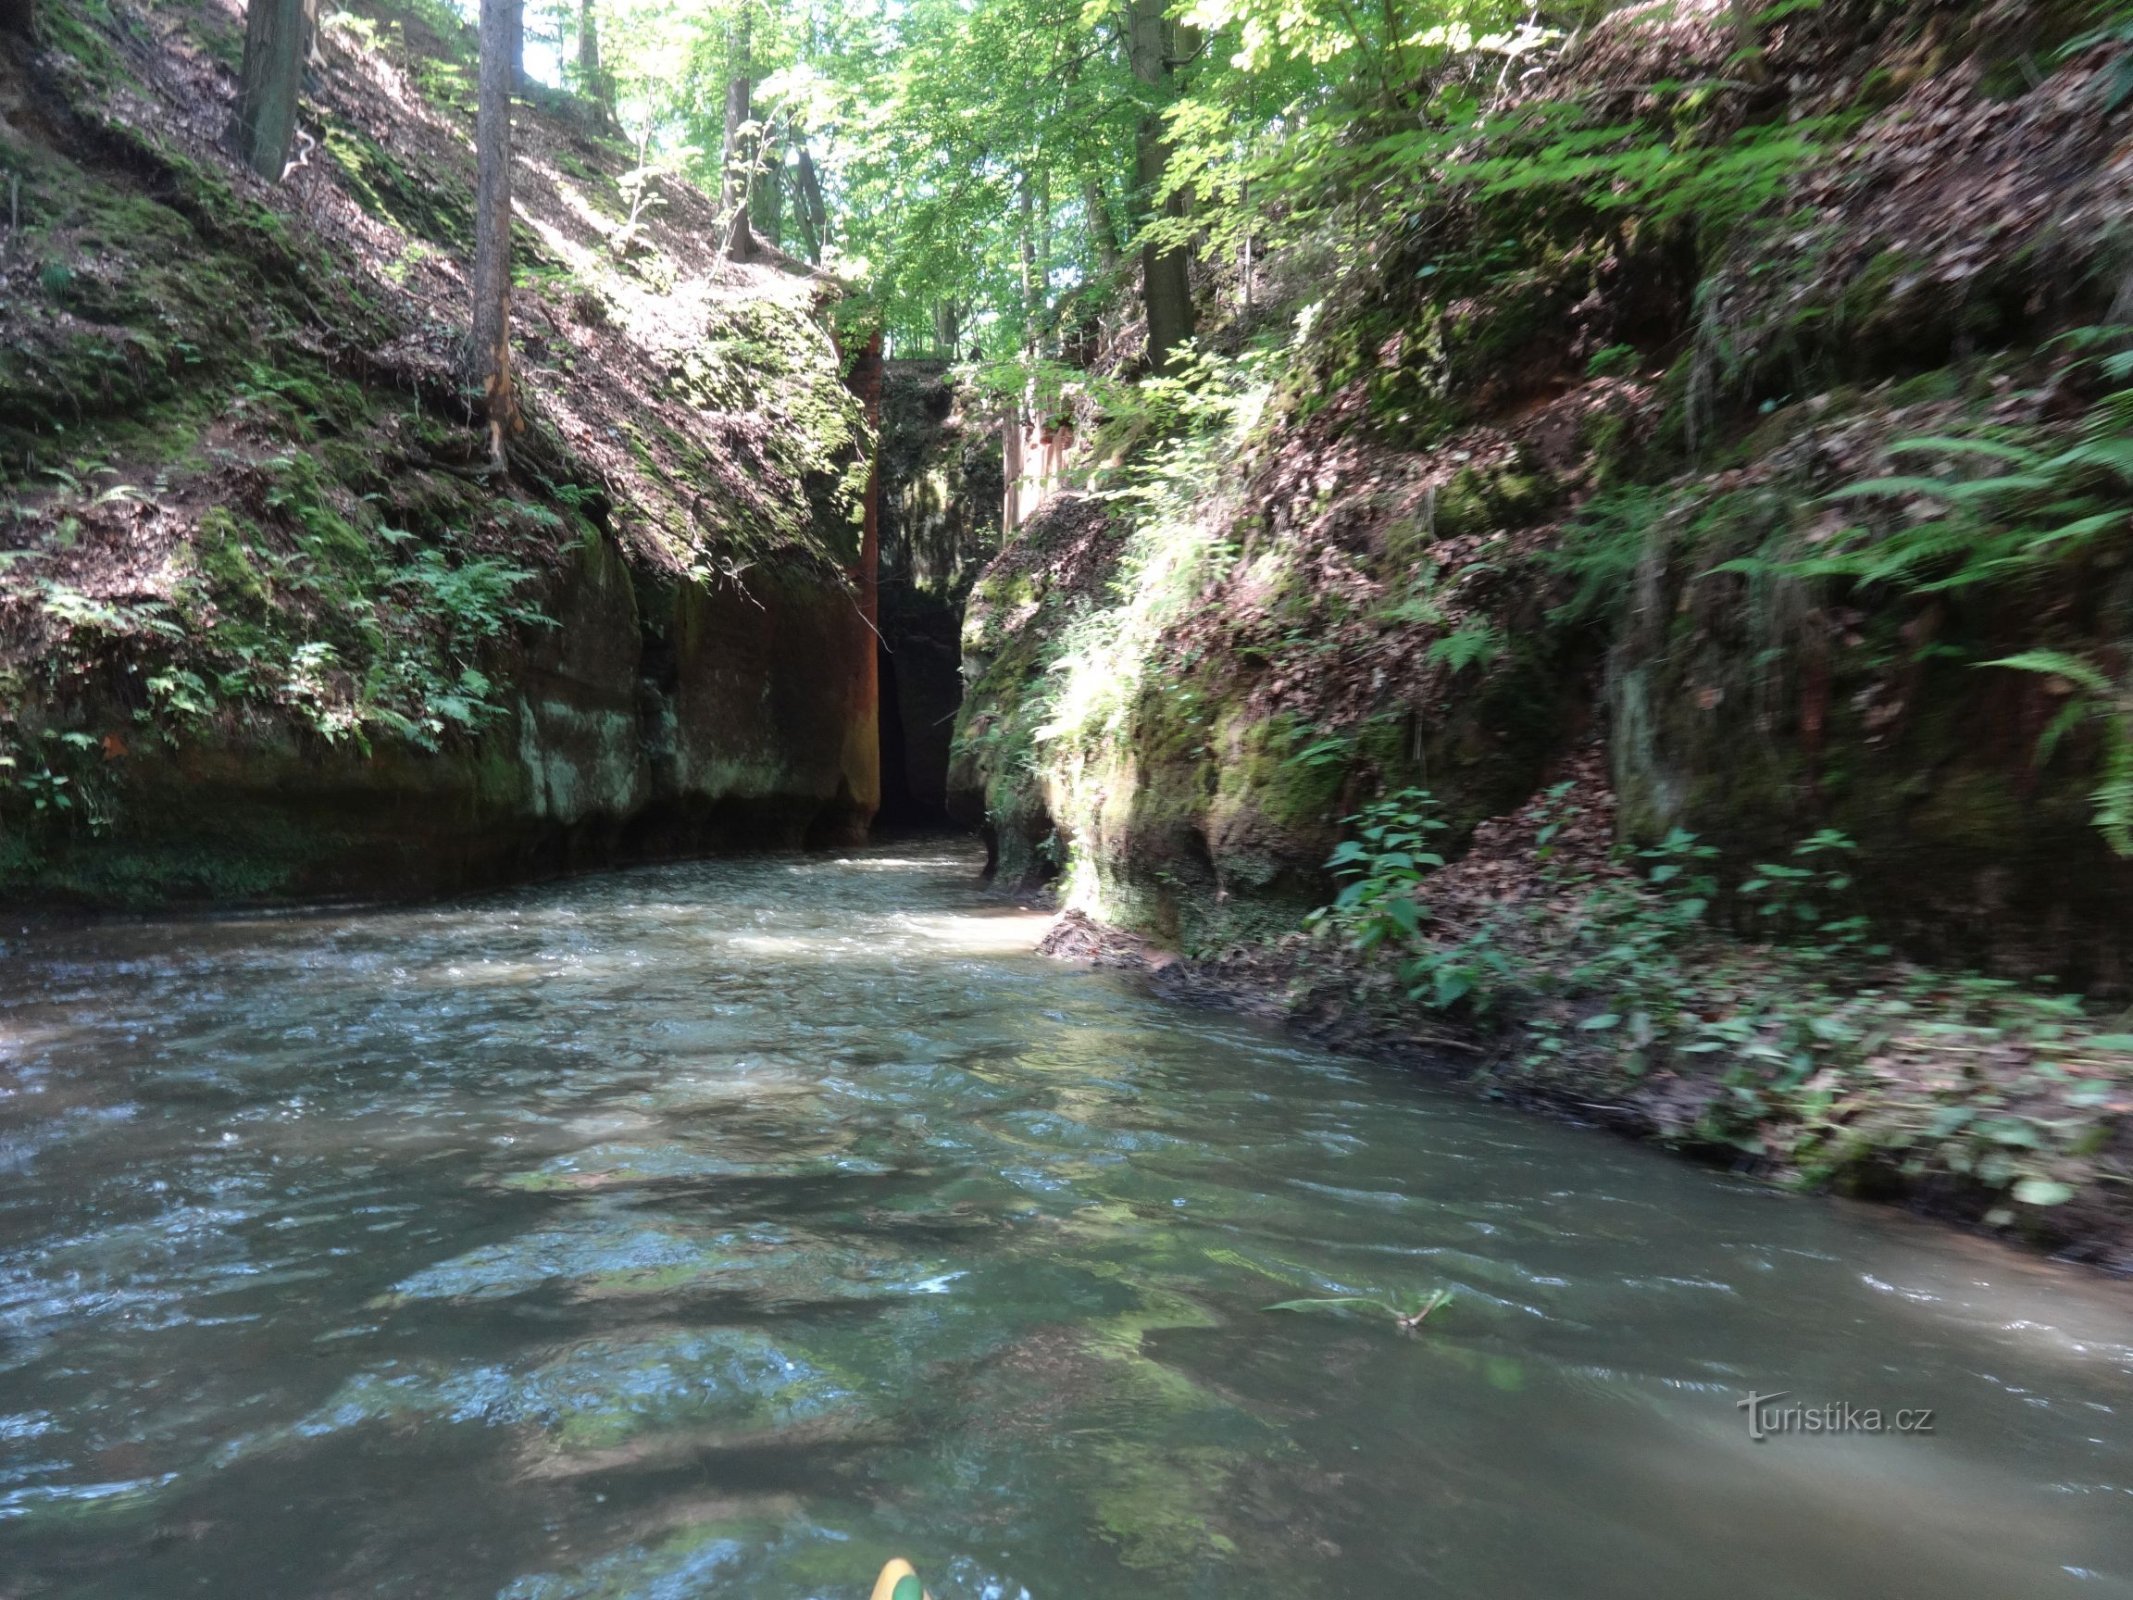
[[899, 1581]]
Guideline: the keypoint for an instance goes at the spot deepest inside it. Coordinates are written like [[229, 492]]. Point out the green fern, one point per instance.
[[2032, 511], [2115, 85], [2045, 508], [2096, 699], [1473, 644]]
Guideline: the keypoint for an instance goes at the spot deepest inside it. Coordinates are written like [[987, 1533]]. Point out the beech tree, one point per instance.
[[277, 40], [738, 149], [1096, 217], [488, 357], [594, 82], [1166, 281], [813, 212]]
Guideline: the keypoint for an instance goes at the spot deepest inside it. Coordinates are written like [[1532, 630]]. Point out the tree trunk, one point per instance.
[[588, 45], [1100, 229], [18, 17], [767, 210], [815, 213], [1166, 281], [737, 164], [947, 327], [488, 360], [592, 78], [276, 40], [1026, 250], [738, 169], [1044, 255]]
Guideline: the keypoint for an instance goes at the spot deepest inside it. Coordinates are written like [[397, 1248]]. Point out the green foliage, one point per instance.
[[1798, 1042], [2051, 506], [2096, 698], [476, 599], [2115, 86], [1472, 644], [53, 781], [1600, 550], [1801, 898], [1665, 178], [1384, 864], [1625, 974], [1333, 751], [2004, 509], [980, 157], [1474, 972]]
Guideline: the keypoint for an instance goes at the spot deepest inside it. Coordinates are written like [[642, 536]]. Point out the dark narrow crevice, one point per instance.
[[940, 498], [902, 808]]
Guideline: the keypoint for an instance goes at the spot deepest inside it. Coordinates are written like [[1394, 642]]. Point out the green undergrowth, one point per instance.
[[1895, 611], [1810, 1051], [2007, 510]]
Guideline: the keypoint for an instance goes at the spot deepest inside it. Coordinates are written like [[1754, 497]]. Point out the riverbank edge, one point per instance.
[[1866, 1136], [1474, 1060]]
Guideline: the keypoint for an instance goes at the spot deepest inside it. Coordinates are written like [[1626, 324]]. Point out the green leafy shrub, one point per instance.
[[1802, 898], [1384, 864]]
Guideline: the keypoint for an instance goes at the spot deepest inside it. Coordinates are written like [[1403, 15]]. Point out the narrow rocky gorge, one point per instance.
[[1711, 582], [806, 795]]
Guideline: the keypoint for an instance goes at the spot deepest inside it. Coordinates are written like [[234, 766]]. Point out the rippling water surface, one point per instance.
[[724, 1229]]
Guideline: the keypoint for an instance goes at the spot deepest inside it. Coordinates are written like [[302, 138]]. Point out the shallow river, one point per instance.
[[724, 1229]]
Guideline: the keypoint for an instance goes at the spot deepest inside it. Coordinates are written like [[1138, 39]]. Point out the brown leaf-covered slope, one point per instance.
[[688, 399], [245, 506]]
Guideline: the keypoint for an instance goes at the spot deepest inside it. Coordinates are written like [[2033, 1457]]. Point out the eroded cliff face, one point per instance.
[[268, 629], [643, 724], [1471, 532]]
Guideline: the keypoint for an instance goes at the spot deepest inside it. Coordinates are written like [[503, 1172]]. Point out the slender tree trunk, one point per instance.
[[739, 170], [276, 41], [489, 345], [1166, 280], [1026, 252], [588, 46], [1044, 256], [738, 166], [1100, 229], [816, 212], [947, 327]]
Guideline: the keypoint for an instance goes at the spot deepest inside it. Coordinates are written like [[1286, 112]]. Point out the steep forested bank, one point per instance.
[[1696, 511], [270, 622]]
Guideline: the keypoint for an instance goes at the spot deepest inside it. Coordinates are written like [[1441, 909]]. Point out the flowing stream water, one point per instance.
[[724, 1229]]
